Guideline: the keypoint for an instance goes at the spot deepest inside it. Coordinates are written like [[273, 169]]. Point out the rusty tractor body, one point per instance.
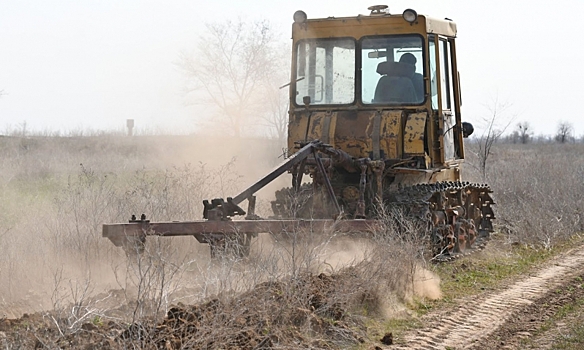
[[375, 121]]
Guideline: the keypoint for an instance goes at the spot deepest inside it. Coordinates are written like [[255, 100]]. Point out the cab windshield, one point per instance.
[[391, 70]]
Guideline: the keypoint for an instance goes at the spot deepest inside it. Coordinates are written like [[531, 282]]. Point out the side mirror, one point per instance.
[[467, 129]]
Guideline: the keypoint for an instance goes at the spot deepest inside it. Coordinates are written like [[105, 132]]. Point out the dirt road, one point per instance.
[[504, 318]]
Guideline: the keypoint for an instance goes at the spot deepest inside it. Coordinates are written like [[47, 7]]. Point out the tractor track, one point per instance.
[[474, 321]]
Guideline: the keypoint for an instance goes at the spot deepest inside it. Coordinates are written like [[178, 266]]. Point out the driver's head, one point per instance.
[[408, 58]]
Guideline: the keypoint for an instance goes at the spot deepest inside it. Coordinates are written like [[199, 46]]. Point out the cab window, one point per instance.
[[392, 70], [325, 71]]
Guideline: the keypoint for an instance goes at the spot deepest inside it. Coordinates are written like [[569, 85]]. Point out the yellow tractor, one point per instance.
[[375, 122]]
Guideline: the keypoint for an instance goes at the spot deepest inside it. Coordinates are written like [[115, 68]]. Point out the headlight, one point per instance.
[[410, 15], [300, 17]]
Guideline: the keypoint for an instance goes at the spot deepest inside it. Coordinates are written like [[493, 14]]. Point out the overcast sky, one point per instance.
[[80, 64]]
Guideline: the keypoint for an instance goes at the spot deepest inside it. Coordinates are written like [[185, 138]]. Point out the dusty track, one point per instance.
[[474, 322]]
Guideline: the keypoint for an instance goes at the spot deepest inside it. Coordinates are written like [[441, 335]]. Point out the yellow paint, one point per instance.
[[414, 134], [357, 27], [451, 174], [391, 122], [354, 133], [297, 128], [296, 131]]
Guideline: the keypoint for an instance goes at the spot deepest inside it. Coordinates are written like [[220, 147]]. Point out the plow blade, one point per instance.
[[214, 232]]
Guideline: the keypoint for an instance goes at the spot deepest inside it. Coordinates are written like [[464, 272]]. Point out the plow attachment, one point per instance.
[[221, 234], [220, 231], [453, 216]]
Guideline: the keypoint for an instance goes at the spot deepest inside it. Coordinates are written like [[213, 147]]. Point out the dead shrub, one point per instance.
[[537, 189]]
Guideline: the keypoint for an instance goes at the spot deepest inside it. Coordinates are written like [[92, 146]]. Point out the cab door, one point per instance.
[[442, 94]]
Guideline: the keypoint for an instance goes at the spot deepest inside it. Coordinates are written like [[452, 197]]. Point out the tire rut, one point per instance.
[[473, 320]]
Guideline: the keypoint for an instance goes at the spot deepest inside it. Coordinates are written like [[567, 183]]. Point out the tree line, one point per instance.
[[523, 134]]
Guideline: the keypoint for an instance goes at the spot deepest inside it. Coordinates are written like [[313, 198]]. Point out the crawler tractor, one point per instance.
[[375, 122]]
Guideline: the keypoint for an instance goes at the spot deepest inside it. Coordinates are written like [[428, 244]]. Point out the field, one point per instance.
[[64, 286]]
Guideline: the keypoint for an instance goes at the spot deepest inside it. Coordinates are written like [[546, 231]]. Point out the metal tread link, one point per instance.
[[419, 197]]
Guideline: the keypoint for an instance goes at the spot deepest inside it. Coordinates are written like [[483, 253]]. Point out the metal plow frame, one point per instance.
[[132, 236], [218, 227]]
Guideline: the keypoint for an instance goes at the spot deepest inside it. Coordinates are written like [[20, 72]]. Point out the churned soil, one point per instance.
[[303, 313], [311, 311]]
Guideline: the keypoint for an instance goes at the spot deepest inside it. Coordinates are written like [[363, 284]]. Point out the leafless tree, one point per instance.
[[524, 132], [565, 131], [275, 116], [492, 133], [231, 71]]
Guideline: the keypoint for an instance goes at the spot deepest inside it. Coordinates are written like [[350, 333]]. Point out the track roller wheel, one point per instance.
[[444, 240], [460, 244], [471, 232]]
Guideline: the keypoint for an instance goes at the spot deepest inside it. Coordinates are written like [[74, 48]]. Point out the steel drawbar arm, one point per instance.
[[296, 158]]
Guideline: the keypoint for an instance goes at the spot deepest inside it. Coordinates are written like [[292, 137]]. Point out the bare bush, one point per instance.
[[537, 192], [72, 303], [150, 278], [494, 128]]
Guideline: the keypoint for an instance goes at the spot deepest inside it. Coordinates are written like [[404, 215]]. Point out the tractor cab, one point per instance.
[[381, 86]]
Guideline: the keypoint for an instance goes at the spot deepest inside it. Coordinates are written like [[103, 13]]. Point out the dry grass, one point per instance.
[[537, 189], [56, 192]]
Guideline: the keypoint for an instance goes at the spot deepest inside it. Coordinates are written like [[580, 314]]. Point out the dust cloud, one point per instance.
[[56, 192], [426, 284], [344, 252]]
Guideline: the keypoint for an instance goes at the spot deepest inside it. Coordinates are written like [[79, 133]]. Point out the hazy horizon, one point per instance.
[[69, 65]]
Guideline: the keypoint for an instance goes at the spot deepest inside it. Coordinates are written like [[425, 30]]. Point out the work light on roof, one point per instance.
[[300, 17], [410, 15]]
